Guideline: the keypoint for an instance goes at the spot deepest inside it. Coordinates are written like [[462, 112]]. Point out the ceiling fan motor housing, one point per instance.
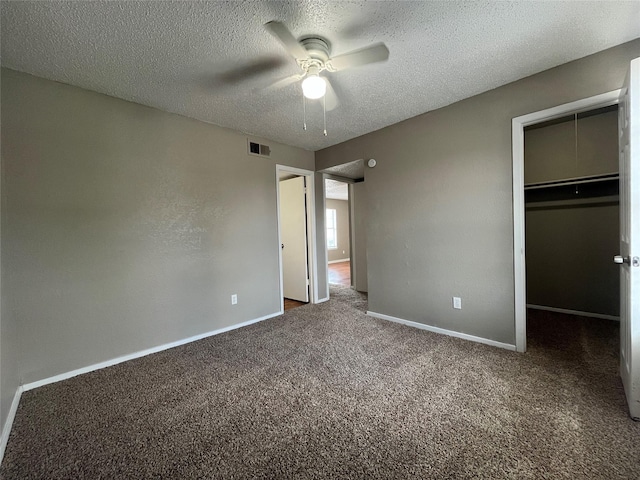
[[318, 48]]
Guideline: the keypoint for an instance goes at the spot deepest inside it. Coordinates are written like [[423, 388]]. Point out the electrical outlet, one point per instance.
[[234, 299], [457, 303]]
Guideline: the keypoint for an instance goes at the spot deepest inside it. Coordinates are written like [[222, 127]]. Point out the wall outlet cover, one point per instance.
[[234, 299], [457, 303]]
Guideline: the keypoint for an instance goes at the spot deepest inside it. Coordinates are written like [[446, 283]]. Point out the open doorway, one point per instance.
[[572, 215], [346, 285], [353, 175], [296, 237], [629, 198], [337, 224], [572, 227], [564, 184]]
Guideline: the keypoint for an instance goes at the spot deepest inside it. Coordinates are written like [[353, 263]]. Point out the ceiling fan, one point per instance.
[[313, 55]]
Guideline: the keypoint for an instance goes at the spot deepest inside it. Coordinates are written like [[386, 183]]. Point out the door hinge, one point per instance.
[[307, 282]]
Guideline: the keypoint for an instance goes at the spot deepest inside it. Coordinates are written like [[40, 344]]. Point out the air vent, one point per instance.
[[259, 149]]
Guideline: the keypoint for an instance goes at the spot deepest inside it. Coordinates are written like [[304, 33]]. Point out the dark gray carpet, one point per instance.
[[324, 391]]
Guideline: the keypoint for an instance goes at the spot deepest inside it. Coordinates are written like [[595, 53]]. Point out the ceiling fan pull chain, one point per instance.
[[324, 113], [304, 114]]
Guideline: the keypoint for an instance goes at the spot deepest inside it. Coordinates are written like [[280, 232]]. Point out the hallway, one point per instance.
[[340, 273]]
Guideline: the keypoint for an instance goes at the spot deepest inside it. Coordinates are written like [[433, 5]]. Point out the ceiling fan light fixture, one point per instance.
[[314, 87]]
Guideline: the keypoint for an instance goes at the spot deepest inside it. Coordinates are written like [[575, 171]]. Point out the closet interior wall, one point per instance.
[[572, 213]]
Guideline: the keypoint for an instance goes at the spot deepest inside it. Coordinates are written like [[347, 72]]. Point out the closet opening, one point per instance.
[[572, 225]]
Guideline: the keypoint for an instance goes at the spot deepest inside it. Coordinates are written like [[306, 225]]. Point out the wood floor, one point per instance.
[[340, 273], [289, 304]]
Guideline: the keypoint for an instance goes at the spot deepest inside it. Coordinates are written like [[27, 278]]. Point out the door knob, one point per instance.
[[620, 259]]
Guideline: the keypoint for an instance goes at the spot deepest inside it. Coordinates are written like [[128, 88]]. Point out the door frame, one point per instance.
[[312, 256], [517, 135]]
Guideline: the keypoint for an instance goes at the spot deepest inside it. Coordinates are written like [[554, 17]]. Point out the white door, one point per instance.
[[629, 258], [293, 235]]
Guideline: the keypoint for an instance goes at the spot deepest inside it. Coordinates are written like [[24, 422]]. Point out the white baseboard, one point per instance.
[[6, 428], [443, 331], [574, 312], [142, 353], [339, 261], [326, 299]]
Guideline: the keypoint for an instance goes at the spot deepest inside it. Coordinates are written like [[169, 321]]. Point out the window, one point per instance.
[[332, 233]]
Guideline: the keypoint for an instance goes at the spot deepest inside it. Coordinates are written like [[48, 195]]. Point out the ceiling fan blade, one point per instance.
[[285, 82], [249, 70], [331, 99], [282, 33], [372, 54]]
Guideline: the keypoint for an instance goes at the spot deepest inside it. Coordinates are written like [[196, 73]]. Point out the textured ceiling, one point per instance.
[[211, 60], [353, 169]]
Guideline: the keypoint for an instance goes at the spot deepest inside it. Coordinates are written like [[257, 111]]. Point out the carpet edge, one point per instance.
[[8, 424], [443, 331], [141, 353]]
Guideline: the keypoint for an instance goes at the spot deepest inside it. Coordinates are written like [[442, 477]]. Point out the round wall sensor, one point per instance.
[[372, 162]]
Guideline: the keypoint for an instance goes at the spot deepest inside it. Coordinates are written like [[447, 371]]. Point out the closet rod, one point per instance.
[[557, 204], [575, 181]]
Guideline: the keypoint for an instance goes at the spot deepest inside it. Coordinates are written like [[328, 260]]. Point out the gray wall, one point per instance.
[[127, 227], [342, 220], [569, 252], [322, 270], [570, 243], [358, 197], [9, 372], [441, 222]]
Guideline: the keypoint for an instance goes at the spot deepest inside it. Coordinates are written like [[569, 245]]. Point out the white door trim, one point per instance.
[[517, 132], [311, 231]]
